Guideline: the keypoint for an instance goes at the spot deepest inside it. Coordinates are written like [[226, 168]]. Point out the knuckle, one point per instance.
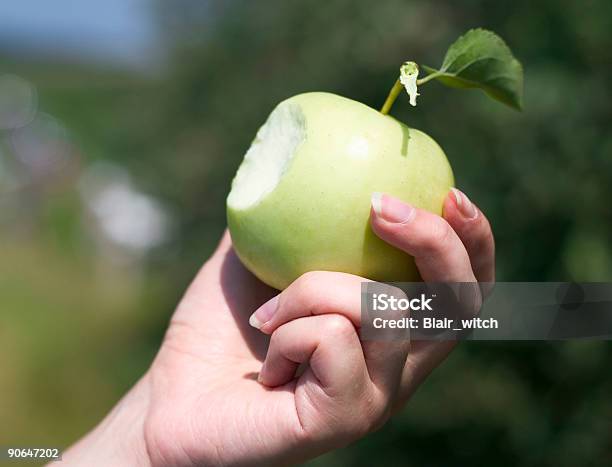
[[438, 238], [310, 277], [337, 325], [307, 283], [311, 290], [390, 290]]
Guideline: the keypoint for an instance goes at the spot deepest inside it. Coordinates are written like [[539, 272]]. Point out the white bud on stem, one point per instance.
[[409, 72]]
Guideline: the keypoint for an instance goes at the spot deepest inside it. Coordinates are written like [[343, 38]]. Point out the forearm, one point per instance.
[[118, 440]]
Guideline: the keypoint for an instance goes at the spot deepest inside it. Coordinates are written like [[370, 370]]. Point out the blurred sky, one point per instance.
[[114, 31]]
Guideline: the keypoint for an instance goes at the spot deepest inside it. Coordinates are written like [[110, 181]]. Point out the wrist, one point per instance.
[[119, 438]]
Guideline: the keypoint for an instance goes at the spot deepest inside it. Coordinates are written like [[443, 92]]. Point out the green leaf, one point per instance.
[[481, 59]]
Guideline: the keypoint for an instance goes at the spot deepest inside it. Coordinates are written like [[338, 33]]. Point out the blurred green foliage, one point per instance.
[[72, 340]]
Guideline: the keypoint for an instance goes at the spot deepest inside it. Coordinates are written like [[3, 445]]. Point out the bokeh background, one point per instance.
[[122, 123]]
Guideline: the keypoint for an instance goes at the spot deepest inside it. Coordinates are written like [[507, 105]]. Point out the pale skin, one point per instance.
[[221, 392]]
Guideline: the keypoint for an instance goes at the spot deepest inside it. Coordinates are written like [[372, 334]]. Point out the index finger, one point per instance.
[[437, 250]]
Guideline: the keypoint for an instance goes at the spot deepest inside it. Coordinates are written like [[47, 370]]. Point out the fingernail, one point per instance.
[[391, 209], [465, 206], [264, 313], [259, 378], [377, 202]]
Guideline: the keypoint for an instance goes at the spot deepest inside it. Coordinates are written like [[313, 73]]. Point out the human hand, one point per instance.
[[201, 402]]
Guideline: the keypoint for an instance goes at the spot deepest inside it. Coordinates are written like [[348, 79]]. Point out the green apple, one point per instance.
[[300, 200]]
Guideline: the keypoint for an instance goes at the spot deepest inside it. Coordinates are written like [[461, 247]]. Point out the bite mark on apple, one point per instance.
[[269, 156]]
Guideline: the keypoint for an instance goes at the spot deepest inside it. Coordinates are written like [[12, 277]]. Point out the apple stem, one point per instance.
[[395, 91]]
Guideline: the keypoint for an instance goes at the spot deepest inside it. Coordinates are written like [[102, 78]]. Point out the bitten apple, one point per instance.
[[300, 201]]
